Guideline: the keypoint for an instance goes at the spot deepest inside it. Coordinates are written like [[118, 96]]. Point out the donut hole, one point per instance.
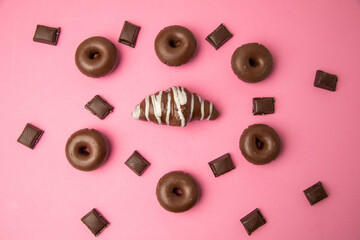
[[84, 151], [253, 62], [174, 43], [94, 55], [259, 144], [178, 192]]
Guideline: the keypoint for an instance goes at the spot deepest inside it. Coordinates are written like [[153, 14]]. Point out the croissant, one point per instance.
[[175, 107]]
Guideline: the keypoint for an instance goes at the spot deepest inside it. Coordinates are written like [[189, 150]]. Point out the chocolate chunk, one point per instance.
[[95, 222], [325, 80], [315, 193], [253, 221], [129, 34], [137, 163], [99, 107], [30, 136], [48, 35], [222, 165], [219, 36], [263, 106]]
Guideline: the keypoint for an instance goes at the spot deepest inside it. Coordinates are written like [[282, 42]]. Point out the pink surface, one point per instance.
[[43, 197]]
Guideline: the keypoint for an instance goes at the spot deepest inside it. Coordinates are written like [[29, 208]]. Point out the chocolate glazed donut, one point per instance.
[[177, 192], [260, 144], [96, 57], [175, 45], [252, 62], [87, 149]]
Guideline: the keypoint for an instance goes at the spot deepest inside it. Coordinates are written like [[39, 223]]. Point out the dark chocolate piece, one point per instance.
[[253, 221], [48, 35], [99, 107], [315, 193], [129, 34], [137, 163], [222, 165], [30, 136], [219, 36], [325, 80], [263, 106], [95, 222]]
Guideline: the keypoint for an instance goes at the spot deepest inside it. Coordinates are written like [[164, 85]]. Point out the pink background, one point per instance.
[[43, 197]]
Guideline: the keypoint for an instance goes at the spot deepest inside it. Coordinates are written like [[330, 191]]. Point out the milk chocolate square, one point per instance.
[[253, 221], [48, 35], [99, 107], [325, 80], [95, 222], [137, 163], [30, 136], [315, 193], [219, 36], [263, 106], [222, 165], [129, 34]]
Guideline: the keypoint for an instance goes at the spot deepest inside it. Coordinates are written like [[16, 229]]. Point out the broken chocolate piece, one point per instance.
[[325, 80], [30, 136], [99, 107], [95, 222], [222, 165], [253, 221], [129, 34], [137, 163], [315, 193], [263, 106], [219, 36], [48, 35]]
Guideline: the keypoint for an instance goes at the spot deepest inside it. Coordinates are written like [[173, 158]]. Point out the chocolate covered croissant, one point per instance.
[[175, 107]]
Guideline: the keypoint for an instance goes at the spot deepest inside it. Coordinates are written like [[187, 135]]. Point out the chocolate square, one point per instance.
[[95, 222], [263, 106], [222, 165], [129, 34], [30, 136], [48, 35], [315, 193], [325, 80], [137, 163], [99, 107], [219, 36], [253, 221]]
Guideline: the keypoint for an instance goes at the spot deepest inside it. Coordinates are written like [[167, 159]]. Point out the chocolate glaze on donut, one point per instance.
[[260, 144], [175, 45], [87, 149], [177, 191], [252, 62], [96, 57]]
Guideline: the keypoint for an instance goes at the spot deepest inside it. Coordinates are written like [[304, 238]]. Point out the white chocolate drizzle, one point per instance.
[[156, 102], [180, 98], [211, 110], [147, 108], [202, 108], [136, 112], [192, 107], [168, 108]]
